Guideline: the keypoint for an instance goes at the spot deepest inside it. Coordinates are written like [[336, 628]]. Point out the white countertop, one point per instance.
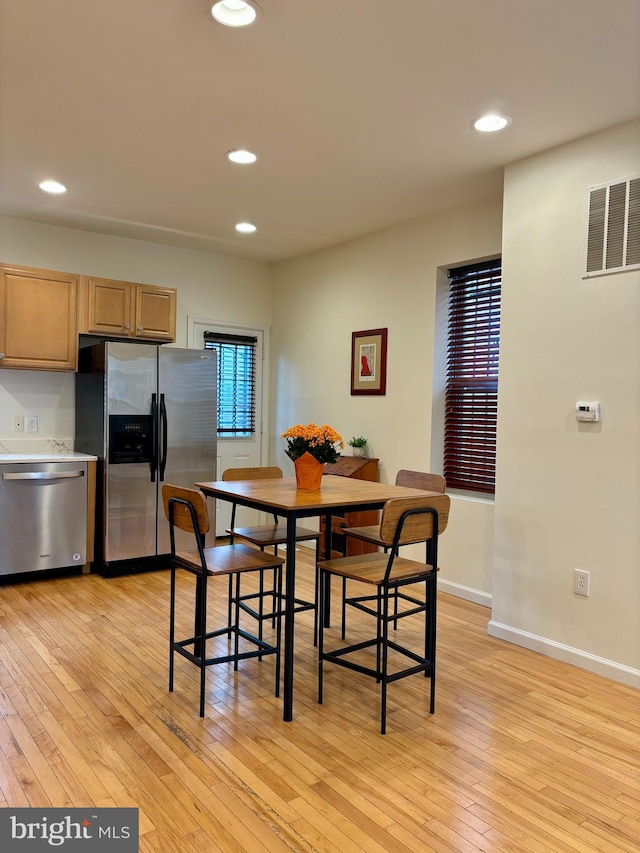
[[66, 456]]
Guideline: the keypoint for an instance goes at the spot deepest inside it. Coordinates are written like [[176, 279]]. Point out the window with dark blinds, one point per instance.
[[473, 349], [236, 383]]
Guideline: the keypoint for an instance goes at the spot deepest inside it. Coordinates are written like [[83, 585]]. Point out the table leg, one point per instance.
[[327, 555], [289, 607]]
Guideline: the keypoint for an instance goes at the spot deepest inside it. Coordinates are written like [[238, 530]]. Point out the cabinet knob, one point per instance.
[[127, 327], [1, 356], [139, 328]]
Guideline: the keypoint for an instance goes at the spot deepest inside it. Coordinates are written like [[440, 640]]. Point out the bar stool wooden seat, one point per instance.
[[403, 521], [186, 509], [269, 536]]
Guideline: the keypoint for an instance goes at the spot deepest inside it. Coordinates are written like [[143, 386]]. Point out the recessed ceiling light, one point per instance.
[[245, 227], [234, 13], [52, 187], [241, 155], [491, 123]]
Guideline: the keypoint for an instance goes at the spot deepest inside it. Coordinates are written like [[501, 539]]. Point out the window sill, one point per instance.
[[473, 497]]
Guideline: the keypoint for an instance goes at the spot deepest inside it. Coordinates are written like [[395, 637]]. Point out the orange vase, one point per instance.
[[308, 472]]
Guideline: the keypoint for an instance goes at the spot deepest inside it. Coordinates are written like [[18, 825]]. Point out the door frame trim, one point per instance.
[[197, 325]]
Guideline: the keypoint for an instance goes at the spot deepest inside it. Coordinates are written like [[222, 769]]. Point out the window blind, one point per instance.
[[236, 382], [471, 402]]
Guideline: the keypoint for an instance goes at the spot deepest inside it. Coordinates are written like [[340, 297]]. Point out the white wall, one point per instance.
[[385, 280], [568, 495], [209, 286]]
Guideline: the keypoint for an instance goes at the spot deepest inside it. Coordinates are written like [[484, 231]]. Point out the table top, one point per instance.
[[283, 494]]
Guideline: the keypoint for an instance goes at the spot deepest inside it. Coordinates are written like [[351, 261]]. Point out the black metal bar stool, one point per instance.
[[371, 535], [270, 536], [186, 509], [404, 521]]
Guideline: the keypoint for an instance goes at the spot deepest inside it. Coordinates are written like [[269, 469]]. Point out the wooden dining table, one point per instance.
[[282, 498]]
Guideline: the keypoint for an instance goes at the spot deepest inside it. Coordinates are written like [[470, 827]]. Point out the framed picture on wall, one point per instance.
[[369, 362]]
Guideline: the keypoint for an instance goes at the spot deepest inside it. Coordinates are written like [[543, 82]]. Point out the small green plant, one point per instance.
[[359, 441]]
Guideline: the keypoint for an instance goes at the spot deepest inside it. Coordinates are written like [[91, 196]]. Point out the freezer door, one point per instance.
[[130, 519], [188, 425], [131, 377], [130, 494]]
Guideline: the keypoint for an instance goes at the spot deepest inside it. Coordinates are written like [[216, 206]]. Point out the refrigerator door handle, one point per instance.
[[153, 462], [163, 420]]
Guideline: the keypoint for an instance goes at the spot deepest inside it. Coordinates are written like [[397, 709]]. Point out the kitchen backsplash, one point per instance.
[[36, 445], [47, 395]]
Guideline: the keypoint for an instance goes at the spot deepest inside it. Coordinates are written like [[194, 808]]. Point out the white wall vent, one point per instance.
[[613, 228]]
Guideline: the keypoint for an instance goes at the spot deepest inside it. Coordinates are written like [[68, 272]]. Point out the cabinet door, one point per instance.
[[155, 312], [109, 307], [38, 319], [341, 545]]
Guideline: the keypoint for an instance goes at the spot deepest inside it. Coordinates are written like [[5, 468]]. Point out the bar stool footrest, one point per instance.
[[338, 656], [261, 648], [300, 606]]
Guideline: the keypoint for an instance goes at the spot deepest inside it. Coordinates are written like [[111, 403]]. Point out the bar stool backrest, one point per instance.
[[181, 514], [418, 527], [264, 473], [421, 480]]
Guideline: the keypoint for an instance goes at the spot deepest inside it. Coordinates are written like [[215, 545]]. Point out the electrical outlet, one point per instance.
[[31, 423], [18, 423], [581, 582]]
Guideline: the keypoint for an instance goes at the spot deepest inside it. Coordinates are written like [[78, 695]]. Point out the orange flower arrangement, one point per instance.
[[322, 442]]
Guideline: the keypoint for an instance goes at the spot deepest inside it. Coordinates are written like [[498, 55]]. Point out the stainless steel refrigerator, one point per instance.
[[148, 413]]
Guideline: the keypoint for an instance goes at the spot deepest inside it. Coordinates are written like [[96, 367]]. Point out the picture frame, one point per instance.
[[369, 362]]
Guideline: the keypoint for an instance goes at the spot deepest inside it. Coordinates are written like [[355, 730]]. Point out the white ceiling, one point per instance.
[[360, 110]]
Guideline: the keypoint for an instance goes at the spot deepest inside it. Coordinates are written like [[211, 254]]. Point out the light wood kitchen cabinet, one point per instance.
[[38, 319], [125, 309]]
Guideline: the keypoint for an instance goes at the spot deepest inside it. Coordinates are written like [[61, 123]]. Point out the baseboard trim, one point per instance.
[[600, 666], [466, 592]]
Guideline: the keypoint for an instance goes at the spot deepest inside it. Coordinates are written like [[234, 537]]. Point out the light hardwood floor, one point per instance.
[[522, 754]]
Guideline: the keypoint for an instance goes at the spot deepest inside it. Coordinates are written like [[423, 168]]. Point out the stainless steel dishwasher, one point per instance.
[[43, 516]]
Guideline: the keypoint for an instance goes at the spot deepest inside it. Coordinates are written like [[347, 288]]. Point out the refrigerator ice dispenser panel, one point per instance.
[[131, 439]]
